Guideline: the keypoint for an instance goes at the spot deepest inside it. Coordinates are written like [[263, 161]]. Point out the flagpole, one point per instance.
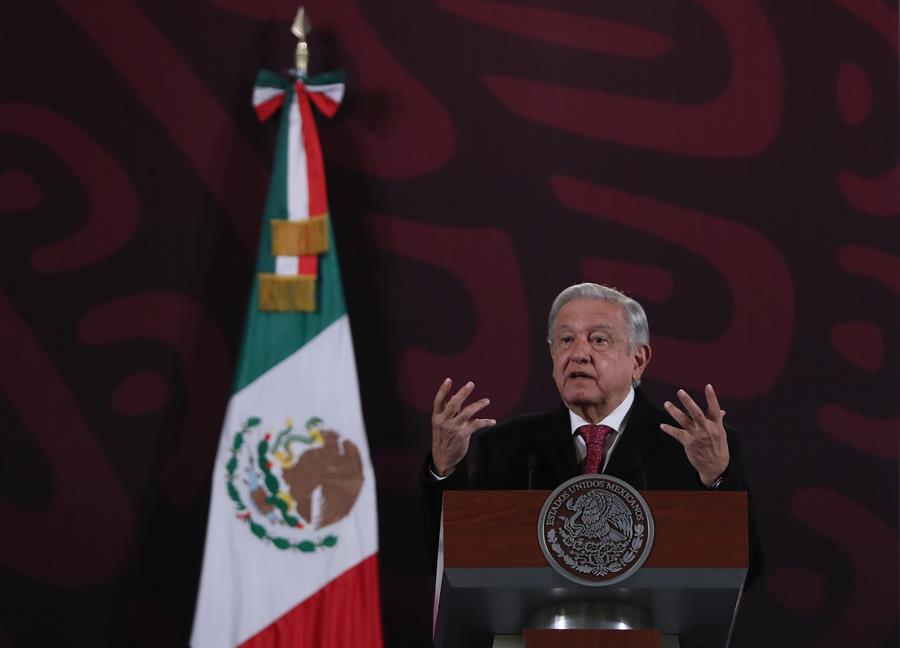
[[300, 28]]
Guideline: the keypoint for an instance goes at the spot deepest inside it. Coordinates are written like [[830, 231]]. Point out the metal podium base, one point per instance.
[[586, 616], [594, 615]]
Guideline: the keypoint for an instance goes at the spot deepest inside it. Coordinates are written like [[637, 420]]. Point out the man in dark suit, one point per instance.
[[600, 347]]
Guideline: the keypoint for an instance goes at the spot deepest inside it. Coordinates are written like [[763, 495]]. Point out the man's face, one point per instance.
[[593, 362]]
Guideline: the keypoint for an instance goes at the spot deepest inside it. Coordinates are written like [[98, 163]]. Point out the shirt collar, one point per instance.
[[614, 419]]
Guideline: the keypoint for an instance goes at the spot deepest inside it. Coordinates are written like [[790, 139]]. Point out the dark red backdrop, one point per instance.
[[731, 164]]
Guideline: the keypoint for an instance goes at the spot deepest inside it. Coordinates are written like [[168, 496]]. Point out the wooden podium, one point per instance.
[[492, 575]]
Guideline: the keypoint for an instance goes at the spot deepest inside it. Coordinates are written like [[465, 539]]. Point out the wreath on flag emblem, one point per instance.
[[290, 485]]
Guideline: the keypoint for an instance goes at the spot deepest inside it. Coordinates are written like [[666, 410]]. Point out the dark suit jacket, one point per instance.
[[537, 451]]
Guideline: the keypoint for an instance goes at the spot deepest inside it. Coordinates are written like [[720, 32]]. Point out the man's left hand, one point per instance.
[[702, 434]]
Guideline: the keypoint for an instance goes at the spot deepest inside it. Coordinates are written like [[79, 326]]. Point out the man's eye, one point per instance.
[[566, 339], [598, 339]]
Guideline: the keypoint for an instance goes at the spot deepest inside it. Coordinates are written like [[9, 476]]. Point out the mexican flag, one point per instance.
[[292, 542]]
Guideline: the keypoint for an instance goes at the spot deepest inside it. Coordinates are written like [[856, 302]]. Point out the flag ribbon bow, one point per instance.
[[302, 234]]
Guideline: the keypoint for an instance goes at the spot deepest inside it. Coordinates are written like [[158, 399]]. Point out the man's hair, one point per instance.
[[635, 317]]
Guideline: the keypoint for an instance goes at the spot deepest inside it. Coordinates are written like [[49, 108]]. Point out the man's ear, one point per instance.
[[641, 357]]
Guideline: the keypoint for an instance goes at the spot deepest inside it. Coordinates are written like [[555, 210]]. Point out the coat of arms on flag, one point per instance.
[[287, 484]]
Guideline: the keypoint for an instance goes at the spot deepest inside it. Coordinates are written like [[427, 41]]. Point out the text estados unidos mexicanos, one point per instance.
[[625, 494]]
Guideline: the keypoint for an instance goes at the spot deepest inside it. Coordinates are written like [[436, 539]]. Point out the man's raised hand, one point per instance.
[[701, 433], [452, 425]]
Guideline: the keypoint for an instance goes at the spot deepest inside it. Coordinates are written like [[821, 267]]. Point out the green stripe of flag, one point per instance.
[[271, 337]]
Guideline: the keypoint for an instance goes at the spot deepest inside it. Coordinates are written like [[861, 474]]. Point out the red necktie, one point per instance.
[[595, 438]]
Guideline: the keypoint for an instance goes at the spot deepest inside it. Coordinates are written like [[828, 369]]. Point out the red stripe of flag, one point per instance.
[[315, 172], [343, 614]]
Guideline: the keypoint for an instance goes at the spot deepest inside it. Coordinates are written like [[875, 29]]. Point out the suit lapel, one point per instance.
[[554, 442], [638, 441]]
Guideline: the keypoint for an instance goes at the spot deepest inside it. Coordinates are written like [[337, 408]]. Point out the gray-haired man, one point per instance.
[[599, 347]]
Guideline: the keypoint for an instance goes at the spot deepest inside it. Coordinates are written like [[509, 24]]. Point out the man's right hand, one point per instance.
[[452, 425]]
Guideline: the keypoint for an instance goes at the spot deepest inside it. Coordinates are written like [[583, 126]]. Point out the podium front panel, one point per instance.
[[495, 575]]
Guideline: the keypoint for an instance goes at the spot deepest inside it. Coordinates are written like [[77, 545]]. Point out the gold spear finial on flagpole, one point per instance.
[[300, 28]]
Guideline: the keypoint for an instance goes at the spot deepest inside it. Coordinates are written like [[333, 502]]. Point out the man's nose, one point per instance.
[[581, 350]]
